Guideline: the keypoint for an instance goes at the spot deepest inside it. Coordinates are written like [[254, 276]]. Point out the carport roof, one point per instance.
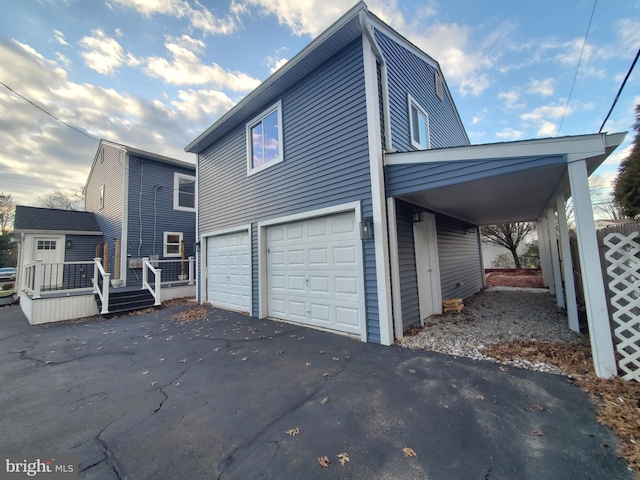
[[494, 183]]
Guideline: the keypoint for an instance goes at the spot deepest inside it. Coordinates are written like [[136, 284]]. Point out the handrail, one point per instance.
[[101, 284], [157, 273]]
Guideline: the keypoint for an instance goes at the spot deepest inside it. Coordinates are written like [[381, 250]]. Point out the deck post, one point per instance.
[[545, 255], [38, 279], [191, 270], [567, 265], [555, 257]]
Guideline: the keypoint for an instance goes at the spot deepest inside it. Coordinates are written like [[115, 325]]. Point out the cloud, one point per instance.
[[199, 17], [545, 87], [547, 129], [27, 136], [59, 37], [509, 134], [511, 99], [101, 53], [274, 63], [477, 118], [546, 111], [185, 67]]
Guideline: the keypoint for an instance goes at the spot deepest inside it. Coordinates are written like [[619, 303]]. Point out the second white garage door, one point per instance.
[[313, 272], [229, 271]]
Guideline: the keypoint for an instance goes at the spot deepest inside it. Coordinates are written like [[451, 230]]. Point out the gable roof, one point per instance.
[[35, 219]]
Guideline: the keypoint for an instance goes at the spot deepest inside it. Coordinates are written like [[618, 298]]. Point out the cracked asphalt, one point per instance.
[[156, 397]]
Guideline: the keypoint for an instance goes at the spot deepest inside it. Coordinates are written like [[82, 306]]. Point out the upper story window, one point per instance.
[[264, 140], [438, 79], [184, 192], [418, 125], [101, 199]]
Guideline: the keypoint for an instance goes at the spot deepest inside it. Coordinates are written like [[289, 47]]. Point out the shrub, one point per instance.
[[8, 286]]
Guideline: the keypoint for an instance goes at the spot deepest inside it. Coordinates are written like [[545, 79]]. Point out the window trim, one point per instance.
[[176, 191], [165, 243], [101, 198], [251, 123], [412, 103]]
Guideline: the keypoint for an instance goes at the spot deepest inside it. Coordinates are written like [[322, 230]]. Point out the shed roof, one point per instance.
[[35, 219]]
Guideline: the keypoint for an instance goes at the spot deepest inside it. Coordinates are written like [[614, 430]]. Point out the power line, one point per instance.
[[624, 82], [578, 67], [50, 114]]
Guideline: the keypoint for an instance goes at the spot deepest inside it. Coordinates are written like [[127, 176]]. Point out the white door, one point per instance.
[[313, 272], [51, 251], [229, 271], [427, 269]]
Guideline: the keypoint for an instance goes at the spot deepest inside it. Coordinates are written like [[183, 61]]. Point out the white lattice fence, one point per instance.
[[623, 267]]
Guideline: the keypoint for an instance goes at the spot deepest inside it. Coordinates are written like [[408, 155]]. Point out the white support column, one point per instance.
[[545, 255], [604, 360], [567, 265], [395, 267], [555, 257]]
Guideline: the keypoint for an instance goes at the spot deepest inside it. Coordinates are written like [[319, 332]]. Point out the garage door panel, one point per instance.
[[314, 272], [229, 271]]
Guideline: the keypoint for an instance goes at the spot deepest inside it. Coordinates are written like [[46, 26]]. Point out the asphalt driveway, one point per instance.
[[230, 396]]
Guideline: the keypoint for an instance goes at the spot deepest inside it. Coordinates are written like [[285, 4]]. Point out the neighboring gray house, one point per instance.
[[343, 194], [145, 200]]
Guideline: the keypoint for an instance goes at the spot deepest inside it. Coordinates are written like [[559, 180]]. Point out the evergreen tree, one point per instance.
[[626, 191]]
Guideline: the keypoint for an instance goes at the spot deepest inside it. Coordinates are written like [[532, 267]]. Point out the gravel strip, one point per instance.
[[497, 315]]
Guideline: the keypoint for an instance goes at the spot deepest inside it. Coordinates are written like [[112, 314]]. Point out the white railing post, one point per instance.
[[145, 275], [191, 270], [105, 293], [158, 274], [38, 279], [96, 272]]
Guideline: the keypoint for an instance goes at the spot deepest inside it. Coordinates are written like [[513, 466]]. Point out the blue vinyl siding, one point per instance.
[[407, 265], [151, 182], [408, 73], [410, 178], [459, 253], [108, 170], [325, 163], [82, 249]]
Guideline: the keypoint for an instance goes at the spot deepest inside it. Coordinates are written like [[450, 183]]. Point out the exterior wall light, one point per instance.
[[366, 228]]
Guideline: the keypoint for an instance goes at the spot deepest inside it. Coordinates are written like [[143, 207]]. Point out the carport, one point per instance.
[[528, 180]]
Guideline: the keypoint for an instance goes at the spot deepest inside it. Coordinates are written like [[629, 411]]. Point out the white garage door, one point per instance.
[[229, 271], [313, 272]]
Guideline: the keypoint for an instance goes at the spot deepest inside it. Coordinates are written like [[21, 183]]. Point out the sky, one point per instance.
[[154, 74]]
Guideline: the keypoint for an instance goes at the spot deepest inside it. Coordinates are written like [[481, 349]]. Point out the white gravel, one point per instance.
[[497, 315]]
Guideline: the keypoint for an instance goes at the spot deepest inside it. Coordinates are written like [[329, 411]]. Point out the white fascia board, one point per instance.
[[320, 212], [56, 232], [575, 147], [225, 231]]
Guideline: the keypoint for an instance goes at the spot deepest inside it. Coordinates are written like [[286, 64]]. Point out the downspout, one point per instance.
[[385, 87]]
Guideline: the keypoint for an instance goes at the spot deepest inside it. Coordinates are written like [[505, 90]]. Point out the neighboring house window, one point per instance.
[[46, 244], [184, 192], [264, 140], [438, 85], [418, 125], [101, 201], [171, 244]]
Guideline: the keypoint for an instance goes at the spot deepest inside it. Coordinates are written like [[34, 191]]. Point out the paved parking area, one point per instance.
[[156, 396]]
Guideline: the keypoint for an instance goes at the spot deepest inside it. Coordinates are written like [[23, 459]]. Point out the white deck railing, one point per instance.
[[101, 280], [64, 277], [157, 275]]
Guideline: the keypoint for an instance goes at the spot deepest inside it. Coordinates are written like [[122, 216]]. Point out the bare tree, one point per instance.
[[72, 200], [509, 236], [7, 213]]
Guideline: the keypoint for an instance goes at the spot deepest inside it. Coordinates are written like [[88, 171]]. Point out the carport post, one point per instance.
[[604, 360], [545, 256], [555, 257], [567, 265]]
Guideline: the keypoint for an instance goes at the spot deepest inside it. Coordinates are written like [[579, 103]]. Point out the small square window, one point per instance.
[[264, 140], [418, 125], [184, 192], [172, 244]]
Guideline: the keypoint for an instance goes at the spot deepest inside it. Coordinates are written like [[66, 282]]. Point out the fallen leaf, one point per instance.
[[321, 352], [324, 401], [216, 349], [183, 360], [280, 352], [412, 371], [324, 461], [162, 359], [343, 458], [293, 431], [48, 362], [146, 372], [480, 397], [538, 433], [244, 359], [325, 374], [335, 359], [301, 338], [177, 384], [100, 348], [153, 384], [409, 452], [308, 364], [504, 369], [538, 407]]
